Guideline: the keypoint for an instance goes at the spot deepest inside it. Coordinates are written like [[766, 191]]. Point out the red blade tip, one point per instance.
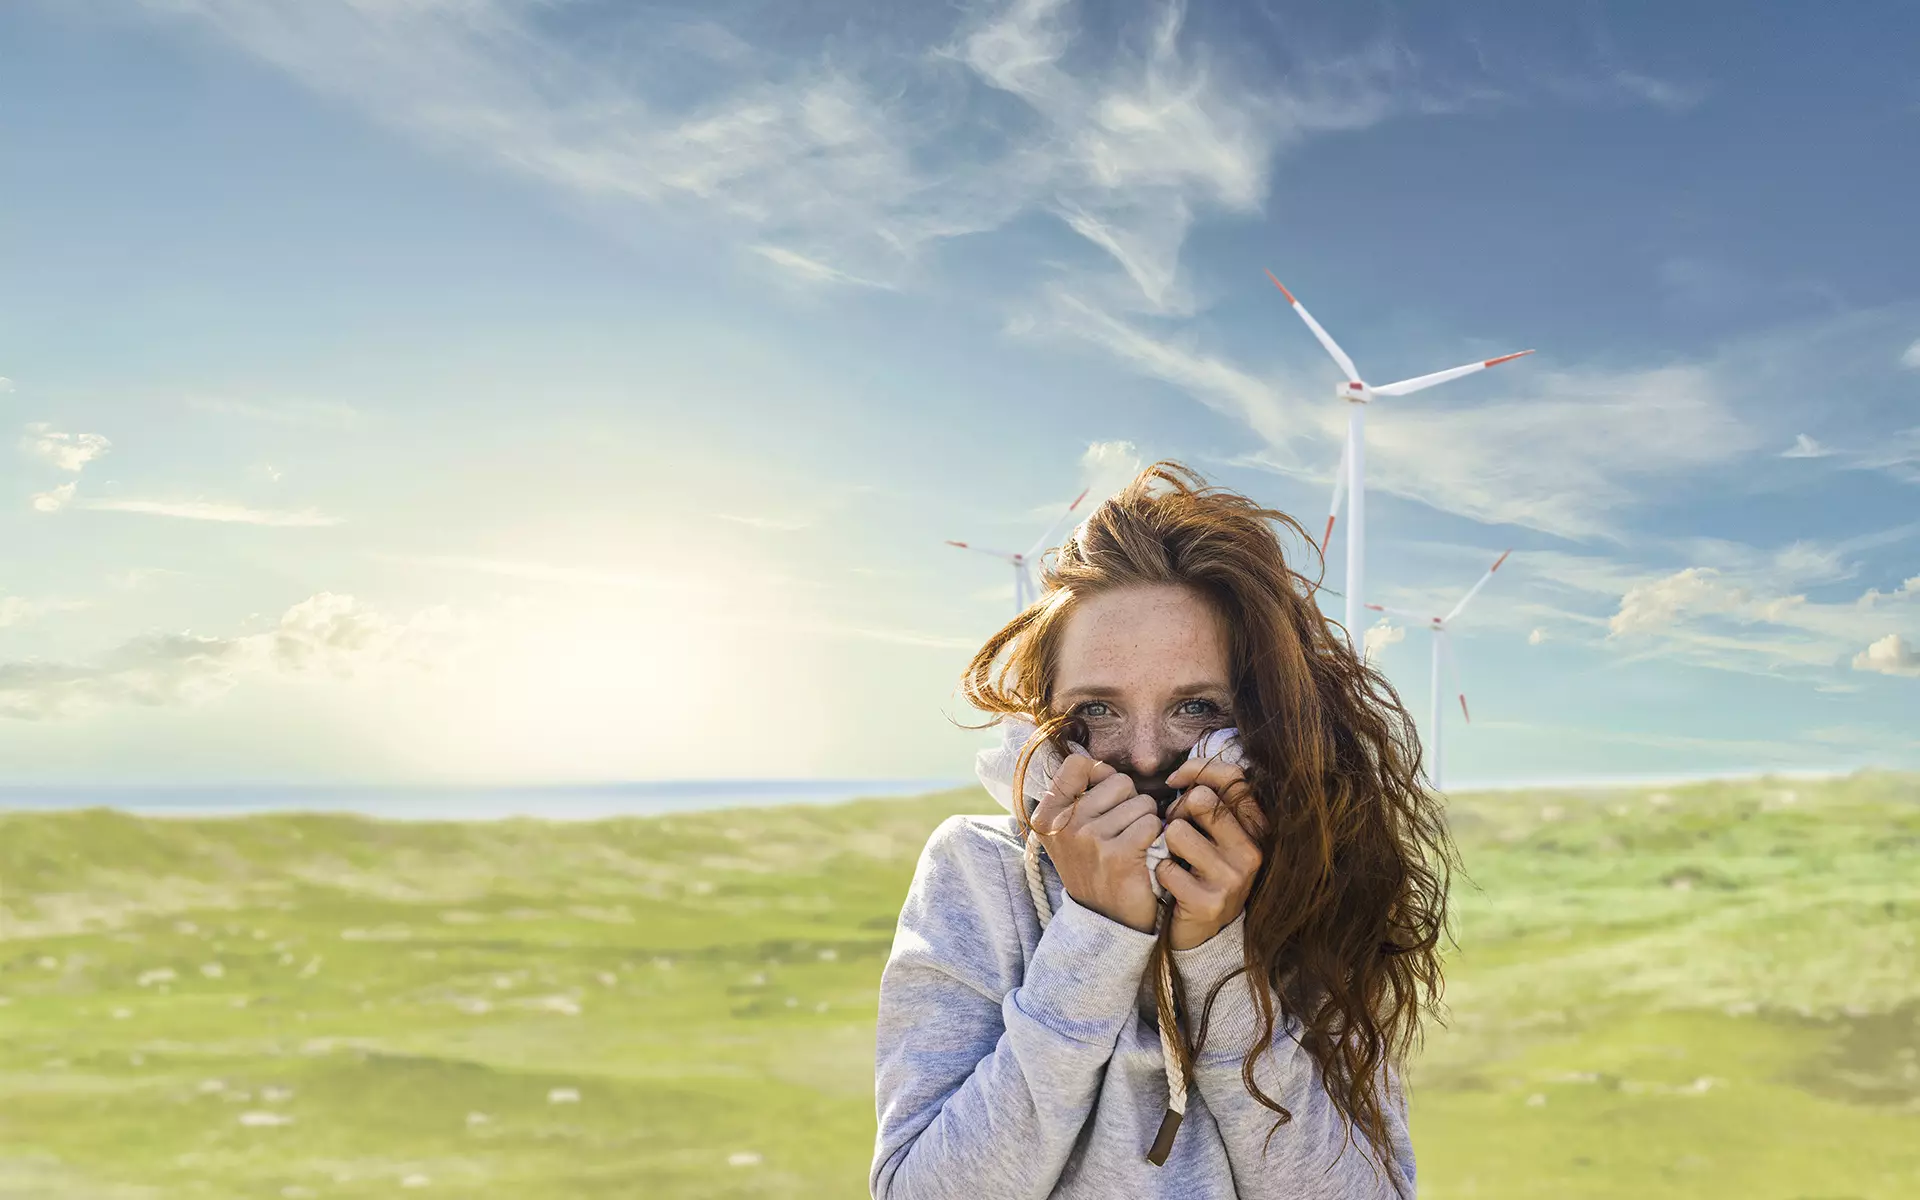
[[1463, 709], [1283, 289], [1498, 561], [1494, 362]]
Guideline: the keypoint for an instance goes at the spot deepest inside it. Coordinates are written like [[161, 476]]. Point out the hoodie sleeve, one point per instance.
[[985, 1072], [1314, 1145]]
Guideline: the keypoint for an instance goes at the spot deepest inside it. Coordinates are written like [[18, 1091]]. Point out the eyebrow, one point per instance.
[[1103, 692]]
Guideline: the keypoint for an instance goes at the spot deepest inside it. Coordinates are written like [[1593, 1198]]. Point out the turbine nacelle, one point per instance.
[[1353, 392]]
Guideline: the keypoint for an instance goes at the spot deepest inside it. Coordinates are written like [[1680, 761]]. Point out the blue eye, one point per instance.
[[1205, 708], [1087, 709]]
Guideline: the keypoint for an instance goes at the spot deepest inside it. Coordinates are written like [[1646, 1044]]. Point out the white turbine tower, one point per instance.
[[1443, 649], [1026, 582], [1350, 481]]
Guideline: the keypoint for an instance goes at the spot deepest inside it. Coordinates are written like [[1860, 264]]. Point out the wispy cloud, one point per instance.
[[210, 510], [1669, 94], [1738, 609], [812, 271], [829, 174], [6, 385], [1805, 447], [1910, 357]]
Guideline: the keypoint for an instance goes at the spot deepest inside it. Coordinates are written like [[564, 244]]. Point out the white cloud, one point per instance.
[[1379, 636], [324, 633], [1805, 447], [1891, 655], [1105, 468], [1536, 637], [67, 451], [205, 510], [1658, 605], [6, 385], [1907, 591], [1911, 356], [54, 500]]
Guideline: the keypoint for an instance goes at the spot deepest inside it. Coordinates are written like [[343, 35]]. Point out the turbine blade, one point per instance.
[[1475, 589], [1046, 538], [1326, 339], [1453, 673], [1010, 557], [1339, 495], [1409, 614], [1422, 382]]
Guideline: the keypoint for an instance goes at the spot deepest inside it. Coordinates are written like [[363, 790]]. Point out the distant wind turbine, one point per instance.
[[1349, 481], [1026, 583], [1443, 649]]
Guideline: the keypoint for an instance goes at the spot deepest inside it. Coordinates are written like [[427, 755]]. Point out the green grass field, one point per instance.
[[1708, 991]]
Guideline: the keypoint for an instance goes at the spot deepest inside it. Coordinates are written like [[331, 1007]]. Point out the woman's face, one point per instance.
[[1145, 670]]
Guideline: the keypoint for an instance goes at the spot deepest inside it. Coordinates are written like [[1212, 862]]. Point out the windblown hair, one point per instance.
[[1346, 915]]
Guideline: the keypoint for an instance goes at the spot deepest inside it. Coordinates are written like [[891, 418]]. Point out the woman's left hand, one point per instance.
[[1221, 855]]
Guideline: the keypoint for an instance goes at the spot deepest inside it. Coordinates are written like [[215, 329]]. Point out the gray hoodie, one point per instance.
[[1009, 1063]]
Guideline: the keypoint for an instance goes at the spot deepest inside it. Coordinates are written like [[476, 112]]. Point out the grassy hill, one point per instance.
[[1703, 991]]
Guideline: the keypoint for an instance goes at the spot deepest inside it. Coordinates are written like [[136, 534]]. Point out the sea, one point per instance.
[[560, 802]]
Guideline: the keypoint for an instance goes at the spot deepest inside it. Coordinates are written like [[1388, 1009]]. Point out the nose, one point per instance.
[[1148, 752]]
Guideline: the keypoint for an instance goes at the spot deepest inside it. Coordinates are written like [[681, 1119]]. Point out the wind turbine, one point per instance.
[[1350, 480], [1026, 586], [1443, 648]]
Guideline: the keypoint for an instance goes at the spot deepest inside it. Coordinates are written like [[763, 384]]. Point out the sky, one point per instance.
[[508, 391]]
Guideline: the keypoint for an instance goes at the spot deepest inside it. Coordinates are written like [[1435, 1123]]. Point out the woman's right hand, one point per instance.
[[1096, 830]]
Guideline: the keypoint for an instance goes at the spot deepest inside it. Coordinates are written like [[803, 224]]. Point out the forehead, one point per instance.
[[1159, 637]]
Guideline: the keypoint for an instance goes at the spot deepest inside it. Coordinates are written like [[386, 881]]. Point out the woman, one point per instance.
[[1193, 959]]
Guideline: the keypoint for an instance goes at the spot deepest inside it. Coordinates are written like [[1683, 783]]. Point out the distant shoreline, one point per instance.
[[563, 802], [592, 802]]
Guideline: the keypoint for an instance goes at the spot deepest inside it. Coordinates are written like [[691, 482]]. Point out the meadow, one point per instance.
[[1700, 991]]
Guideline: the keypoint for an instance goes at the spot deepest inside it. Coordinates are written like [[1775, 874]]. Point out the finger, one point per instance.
[[1063, 792], [1236, 845], [1233, 796], [1140, 834], [1215, 773], [1187, 891], [1192, 802], [1203, 857], [1121, 815], [1101, 799]]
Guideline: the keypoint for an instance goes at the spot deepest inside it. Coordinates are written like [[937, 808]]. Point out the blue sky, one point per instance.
[[499, 390]]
